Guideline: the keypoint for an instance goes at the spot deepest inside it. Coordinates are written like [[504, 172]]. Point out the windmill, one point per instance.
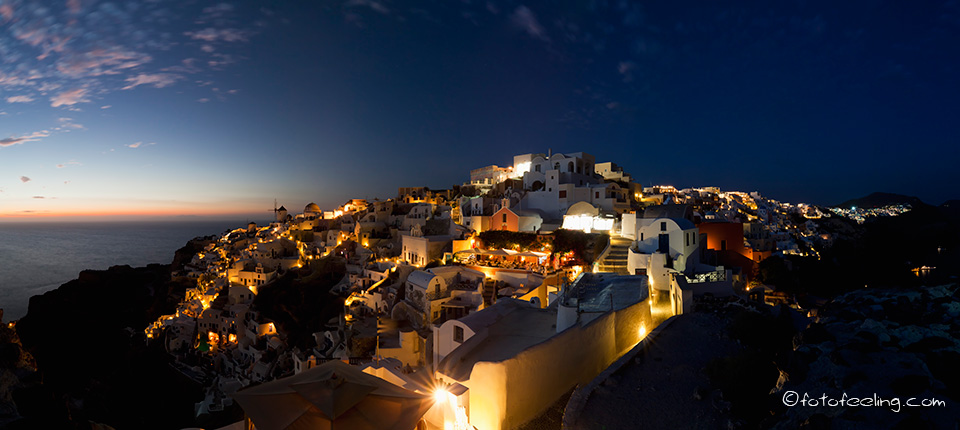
[[280, 214]]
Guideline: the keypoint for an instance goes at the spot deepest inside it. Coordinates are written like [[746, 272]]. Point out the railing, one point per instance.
[[699, 278], [596, 261]]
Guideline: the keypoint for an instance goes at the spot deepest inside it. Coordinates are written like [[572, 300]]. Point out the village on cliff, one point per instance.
[[477, 306]]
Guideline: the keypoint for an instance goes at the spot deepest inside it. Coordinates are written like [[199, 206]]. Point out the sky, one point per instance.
[[155, 108]]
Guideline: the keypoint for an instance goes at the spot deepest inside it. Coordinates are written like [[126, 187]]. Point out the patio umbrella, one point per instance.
[[332, 396]]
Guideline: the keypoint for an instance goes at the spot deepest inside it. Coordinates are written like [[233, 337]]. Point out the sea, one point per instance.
[[39, 257]]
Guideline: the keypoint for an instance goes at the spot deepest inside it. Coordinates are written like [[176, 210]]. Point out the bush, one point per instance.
[[507, 239]]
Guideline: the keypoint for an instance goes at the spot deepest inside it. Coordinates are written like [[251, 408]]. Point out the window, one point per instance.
[[596, 195], [504, 217], [538, 168], [663, 226], [686, 237], [563, 194], [641, 237], [458, 334]]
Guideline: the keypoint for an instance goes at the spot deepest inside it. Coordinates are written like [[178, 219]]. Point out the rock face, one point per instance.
[[891, 344], [87, 338], [17, 367]]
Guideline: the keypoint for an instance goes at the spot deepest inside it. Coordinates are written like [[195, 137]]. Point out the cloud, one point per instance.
[[99, 62], [216, 35], [626, 69], [139, 144], [218, 8], [67, 124], [69, 98], [375, 5], [106, 106], [203, 100], [6, 11], [524, 19], [32, 137], [24, 179], [101, 47], [19, 99], [158, 80], [69, 163], [39, 197]]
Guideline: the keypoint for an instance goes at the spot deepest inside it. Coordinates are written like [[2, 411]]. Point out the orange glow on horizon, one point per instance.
[[133, 213]]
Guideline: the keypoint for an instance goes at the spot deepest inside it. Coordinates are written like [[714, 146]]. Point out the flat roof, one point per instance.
[[512, 326]]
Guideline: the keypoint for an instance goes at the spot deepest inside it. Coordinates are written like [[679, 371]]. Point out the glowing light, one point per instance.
[[232, 338], [462, 422], [213, 337], [440, 395], [642, 331], [521, 168]]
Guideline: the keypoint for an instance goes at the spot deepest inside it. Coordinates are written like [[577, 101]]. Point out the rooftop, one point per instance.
[[502, 331]]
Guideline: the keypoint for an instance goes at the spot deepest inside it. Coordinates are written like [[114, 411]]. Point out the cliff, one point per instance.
[[88, 342]]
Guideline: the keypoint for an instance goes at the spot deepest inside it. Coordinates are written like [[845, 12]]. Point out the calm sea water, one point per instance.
[[38, 257]]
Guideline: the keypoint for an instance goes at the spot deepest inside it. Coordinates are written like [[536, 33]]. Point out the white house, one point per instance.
[[663, 245]]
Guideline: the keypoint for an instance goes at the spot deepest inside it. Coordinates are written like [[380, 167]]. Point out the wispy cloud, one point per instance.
[[32, 137], [626, 70], [218, 35], [84, 50], [139, 144], [19, 99], [158, 80], [69, 98], [67, 124], [203, 100], [69, 163], [24, 179], [372, 4], [524, 19]]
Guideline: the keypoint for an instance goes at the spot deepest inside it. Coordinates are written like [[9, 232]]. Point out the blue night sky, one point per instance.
[[201, 108]]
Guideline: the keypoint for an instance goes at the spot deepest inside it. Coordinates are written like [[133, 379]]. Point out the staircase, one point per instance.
[[489, 292], [616, 260]]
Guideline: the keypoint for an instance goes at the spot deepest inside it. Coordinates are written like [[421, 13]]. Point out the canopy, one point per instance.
[[332, 396]]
